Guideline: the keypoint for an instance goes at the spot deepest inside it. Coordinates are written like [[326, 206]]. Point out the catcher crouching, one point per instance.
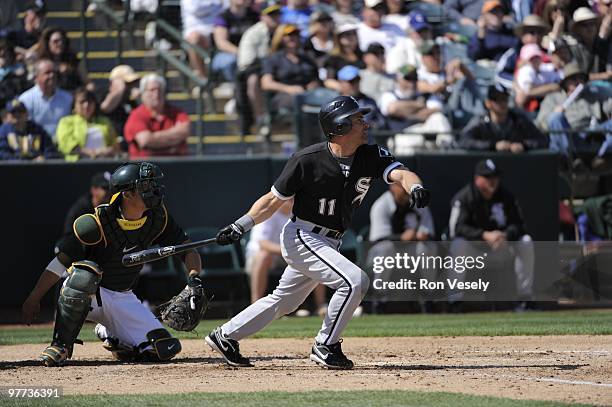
[[99, 286]]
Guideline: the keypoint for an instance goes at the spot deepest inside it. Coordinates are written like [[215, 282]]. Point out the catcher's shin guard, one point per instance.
[[164, 346], [73, 304]]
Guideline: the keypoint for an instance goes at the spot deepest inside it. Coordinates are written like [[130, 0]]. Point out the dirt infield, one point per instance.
[[562, 368]]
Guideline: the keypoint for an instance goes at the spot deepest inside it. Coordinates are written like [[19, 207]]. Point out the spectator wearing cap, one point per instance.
[[485, 211], [494, 36], [530, 31], [397, 13], [344, 12], [254, 46], [534, 79], [22, 139], [86, 133], [577, 106], [97, 194], [287, 71], [350, 81], [45, 102], [434, 77], [156, 128], [121, 97], [374, 79], [345, 52], [198, 18], [559, 53], [320, 42], [452, 85], [297, 13], [407, 109], [25, 37], [407, 51], [229, 27], [501, 128], [592, 47], [372, 29]]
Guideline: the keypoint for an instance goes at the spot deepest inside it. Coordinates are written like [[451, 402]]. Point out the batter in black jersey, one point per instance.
[[327, 188], [328, 181]]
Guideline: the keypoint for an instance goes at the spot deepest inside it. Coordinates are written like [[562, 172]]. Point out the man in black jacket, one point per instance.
[[501, 128], [485, 211], [98, 194]]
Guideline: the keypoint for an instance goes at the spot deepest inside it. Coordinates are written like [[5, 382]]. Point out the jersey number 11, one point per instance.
[[330, 205]]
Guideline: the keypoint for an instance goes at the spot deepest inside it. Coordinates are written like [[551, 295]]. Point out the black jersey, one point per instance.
[[323, 194]]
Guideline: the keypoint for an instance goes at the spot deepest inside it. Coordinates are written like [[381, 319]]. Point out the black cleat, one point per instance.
[[331, 356], [229, 348]]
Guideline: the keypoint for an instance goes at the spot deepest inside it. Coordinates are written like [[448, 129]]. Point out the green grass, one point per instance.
[[320, 398], [583, 322]]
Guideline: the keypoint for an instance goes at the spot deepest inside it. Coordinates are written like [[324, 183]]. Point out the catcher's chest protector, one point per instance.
[[118, 241]]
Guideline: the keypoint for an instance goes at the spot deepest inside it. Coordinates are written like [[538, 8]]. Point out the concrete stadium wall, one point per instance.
[[214, 191]]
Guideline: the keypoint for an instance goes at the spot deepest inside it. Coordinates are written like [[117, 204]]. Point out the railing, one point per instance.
[[112, 16], [166, 57]]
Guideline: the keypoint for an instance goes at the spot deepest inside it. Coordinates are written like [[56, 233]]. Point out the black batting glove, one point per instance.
[[229, 234], [419, 196]]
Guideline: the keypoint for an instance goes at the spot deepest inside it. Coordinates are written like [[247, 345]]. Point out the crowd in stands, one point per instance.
[[487, 75]]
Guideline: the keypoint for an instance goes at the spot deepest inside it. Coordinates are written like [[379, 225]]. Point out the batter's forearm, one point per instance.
[[264, 207], [46, 280]]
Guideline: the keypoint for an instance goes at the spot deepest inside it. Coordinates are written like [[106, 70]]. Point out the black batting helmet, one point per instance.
[[144, 178], [335, 115]]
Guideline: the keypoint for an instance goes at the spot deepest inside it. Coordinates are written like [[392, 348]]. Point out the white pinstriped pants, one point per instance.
[[311, 259]]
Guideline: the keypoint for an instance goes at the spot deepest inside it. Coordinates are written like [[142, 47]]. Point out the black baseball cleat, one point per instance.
[[331, 356], [229, 348]]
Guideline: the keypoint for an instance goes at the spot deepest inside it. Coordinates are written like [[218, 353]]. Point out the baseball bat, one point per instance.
[[148, 255]]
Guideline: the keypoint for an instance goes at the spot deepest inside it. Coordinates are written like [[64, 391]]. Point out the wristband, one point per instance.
[[245, 223]]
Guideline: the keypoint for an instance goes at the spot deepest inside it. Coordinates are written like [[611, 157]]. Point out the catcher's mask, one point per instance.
[[144, 178]]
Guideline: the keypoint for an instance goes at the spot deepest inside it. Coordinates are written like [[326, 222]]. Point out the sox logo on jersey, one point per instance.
[[362, 186]]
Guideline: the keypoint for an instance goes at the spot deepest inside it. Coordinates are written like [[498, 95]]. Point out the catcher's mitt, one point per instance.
[[184, 311]]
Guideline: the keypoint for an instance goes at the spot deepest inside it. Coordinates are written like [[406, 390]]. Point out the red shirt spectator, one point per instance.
[[156, 128]]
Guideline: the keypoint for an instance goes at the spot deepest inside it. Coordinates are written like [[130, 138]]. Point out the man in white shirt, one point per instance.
[[45, 102], [198, 18], [372, 29]]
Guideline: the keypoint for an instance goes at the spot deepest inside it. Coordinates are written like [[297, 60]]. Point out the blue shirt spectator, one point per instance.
[[297, 12], [45, 102]]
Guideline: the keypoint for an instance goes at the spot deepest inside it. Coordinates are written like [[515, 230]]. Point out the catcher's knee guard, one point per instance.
[[74, 301], [164, 346]]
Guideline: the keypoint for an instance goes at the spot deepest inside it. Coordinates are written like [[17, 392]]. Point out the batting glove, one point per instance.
[[229, 234], [419, 196]]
